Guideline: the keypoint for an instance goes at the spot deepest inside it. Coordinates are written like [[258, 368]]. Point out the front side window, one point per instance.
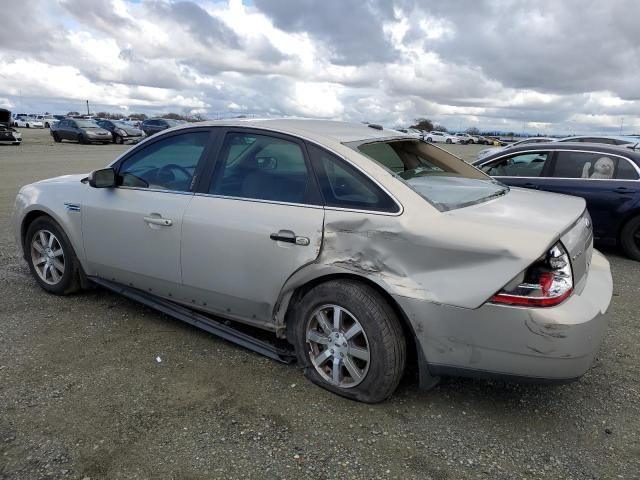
[[520, 165], [168, 164], [343, 186], [442, 179], [261, 167]]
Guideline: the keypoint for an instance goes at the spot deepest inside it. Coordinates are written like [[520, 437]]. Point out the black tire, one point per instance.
[[118, 139], [46, 125], [70, 279], [82, 139], [429, 139], [28, 126], [56, 137], [384, 335], [448, 140], [630, 238]]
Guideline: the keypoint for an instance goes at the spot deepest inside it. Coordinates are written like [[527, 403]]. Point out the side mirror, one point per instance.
[[103, 178]]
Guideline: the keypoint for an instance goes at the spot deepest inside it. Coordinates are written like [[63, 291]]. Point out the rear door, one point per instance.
[[257, 219], [608, 182]]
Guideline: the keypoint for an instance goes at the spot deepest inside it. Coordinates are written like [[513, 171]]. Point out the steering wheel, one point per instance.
[[165, 173]]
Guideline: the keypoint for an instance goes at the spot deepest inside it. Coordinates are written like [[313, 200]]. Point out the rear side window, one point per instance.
[[585, 165], [626, 171], [343, 186], [528, 164]]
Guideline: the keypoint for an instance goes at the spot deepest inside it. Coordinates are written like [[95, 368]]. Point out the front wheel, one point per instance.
[[630, 238], [429, 139], [448, 140], [56, 138], [82, 139], [349, 340], [119, 140], [51, 259]]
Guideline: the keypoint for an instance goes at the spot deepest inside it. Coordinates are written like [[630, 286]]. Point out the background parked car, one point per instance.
[[608, 140], [465, 138], [47, 120], [155, 125], [8, 134], [121, 132], [440, 137], [607, 177], [27, 122], [82, 131], [526, 141]]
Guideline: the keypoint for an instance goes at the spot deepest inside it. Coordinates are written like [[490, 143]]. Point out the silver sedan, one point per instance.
[[364, 248]]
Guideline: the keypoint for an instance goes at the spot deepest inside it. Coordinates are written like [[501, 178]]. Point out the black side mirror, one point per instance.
[[103, 178]]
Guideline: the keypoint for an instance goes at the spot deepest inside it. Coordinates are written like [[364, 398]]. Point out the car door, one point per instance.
[[253, 224], [520, 169], [132, 232], [607, 181], [63, 129]]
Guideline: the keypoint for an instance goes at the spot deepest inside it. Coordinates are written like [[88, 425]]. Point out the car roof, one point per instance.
[[311, 129], [594, 147]]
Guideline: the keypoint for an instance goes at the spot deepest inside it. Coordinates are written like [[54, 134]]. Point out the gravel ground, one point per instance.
[[83, 394]]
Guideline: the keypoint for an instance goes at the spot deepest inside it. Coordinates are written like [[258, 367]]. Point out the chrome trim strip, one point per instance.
[[302, 205], [157, 190]]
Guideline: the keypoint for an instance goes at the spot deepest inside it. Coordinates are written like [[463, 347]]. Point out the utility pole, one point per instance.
[[621, 123], [88, 113]]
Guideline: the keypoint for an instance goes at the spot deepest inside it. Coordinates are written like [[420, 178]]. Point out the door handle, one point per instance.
[[165, 222], [623, 190], [289, 237], [531, 185]]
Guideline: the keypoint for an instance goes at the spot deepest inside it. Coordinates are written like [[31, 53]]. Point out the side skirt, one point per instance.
[[201, 321]]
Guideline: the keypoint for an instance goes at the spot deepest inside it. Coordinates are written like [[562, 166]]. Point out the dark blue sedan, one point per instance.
[[606, 176]]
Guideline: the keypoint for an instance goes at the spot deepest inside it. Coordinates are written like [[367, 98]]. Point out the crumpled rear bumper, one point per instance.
[[542, 344]]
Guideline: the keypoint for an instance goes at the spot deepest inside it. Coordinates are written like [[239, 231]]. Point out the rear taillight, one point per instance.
[[546, 283]]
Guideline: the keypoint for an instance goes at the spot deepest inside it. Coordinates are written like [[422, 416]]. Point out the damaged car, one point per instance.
[[7, 133], [364, 251]]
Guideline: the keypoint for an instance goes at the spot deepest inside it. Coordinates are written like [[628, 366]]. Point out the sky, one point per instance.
[[542, 66]]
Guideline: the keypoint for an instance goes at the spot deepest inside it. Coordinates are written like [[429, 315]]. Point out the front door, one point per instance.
[[132, 232], [258, 222]]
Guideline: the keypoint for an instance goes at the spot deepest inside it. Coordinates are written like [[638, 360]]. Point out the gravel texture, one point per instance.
[[95, 386]]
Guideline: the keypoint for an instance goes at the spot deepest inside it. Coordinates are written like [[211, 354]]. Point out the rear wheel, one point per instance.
[[429, 139], [448, 140], [630, 238], [51, 259], [349, 340]]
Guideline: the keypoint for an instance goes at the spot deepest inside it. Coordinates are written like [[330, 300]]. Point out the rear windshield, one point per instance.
[[442, 179]]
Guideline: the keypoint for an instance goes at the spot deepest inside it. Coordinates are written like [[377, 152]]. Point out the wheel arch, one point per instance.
[[416, 359]]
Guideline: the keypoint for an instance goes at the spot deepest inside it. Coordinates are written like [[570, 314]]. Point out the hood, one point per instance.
[[62, 179]]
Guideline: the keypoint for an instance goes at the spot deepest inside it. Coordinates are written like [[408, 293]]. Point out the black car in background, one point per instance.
[[606, 176], [80, 130], [155, 125], [121, 132]]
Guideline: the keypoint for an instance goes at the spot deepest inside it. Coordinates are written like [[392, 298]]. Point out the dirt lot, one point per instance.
[[82, 394]]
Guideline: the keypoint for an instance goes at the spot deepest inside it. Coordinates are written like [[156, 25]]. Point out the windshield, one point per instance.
[[87, 124], [442, 179]]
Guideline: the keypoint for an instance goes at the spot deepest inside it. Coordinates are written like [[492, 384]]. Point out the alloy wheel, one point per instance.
[[338, 346], [47, 257]]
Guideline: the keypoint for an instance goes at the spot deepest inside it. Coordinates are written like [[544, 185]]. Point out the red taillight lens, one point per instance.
[[546, 283]]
